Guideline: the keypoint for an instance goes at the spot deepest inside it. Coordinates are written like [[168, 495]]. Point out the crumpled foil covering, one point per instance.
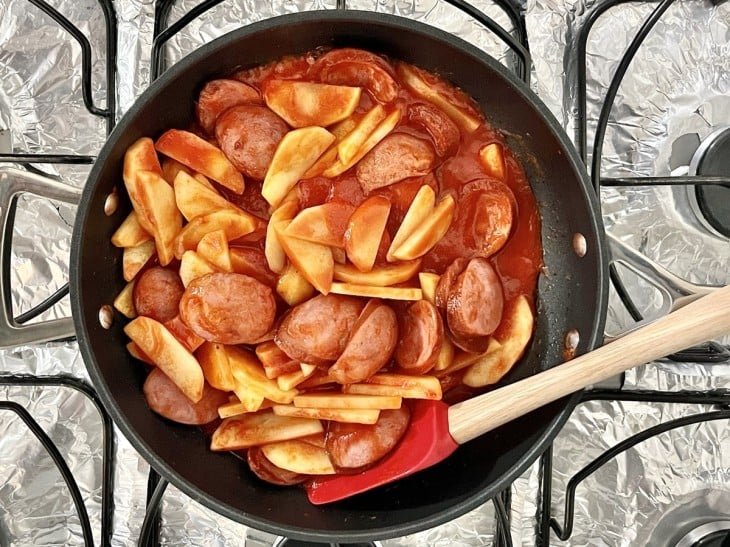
[[621, 504]]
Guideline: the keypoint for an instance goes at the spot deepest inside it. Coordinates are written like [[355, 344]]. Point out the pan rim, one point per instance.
[[168, 472]]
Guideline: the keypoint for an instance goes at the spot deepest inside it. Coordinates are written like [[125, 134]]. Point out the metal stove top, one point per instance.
[[644, 461]]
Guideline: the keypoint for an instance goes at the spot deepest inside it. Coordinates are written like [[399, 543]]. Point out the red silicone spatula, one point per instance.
[[436, 429]]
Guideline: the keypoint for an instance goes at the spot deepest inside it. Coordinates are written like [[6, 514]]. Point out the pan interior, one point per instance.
[[572, 290]]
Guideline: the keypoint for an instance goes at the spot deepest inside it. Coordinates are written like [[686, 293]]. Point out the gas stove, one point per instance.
[[641, 87]]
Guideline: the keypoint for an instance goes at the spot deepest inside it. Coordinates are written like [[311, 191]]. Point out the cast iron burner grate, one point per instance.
[[710, 534], [712, 203]]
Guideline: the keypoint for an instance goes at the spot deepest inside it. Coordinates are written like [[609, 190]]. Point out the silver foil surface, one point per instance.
[[677, 84]]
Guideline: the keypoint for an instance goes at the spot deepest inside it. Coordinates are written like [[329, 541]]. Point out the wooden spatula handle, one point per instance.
[[702, 320]]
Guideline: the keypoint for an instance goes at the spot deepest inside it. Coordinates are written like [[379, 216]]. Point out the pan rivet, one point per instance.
[[572, 339], [111, 203], [580, 246], [106, 316]]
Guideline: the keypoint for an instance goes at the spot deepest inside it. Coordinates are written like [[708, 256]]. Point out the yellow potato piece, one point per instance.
[[429, 281], [293, 379], [260, 428], [492, 159], [195, 199], [275, 255], [350, 144], [168, 354], [235, 224], [294, 155], [321, 223], [134, 259], [346, 415], [431, 230], [365, 230], [492, 366], [213, 247], [299, 456], [314, 261], [303, 104], [130, 232], [213, 360], [193, 266], [387, 293], [400, 385], [249, 373], [418, 211], [344, 400], [381, 276], [124, 302], [293, 287]]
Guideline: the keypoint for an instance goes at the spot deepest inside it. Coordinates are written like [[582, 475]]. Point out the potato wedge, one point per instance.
[[184, 334], [348, 147], [213, 247], [398, 385], [274, 361], [293, 379], [195, 199], [430, 232], [347, 415], [293, 287], [213, 360], [298, 456], [260, 428], [168, 354], [250, 397], [201, 156], [387, 293], [130, 232], [141, 156], [324, 224], [380, 276], [248, 371], [381, 131], [193, 266], [365, 230], [294, 155], [418, 211], [344, 400], [236, 408], [171, 168], [136, 352], [429, 281], [275, 255], [416, 83], [134, 259], [492, 159], [235, 224], [324, 162], [463, 359], [124, 302], [513, 334], [446, 355], [154, 201], [303, 104], [312, 260]]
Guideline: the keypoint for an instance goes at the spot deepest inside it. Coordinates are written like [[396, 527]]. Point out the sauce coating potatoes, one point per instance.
[[336, 235]]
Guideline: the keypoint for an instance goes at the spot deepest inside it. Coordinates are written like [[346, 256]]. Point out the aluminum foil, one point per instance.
[[621, 504]]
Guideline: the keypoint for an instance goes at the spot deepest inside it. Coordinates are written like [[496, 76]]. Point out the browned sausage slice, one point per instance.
[[228, 308], [396, 157], [443, 131], [248, 136], [355, 446], [317, 330], [166, 399], [476, 301], [357, 67], [484, 218], [267, 471], [218, 96], [370, 346], [421, 336], [157, 294], [447, 280]]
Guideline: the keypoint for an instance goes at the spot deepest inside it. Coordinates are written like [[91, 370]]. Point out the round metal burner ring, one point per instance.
[[710, 534], [711, 203]]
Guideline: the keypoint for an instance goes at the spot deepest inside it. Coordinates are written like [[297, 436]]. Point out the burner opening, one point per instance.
[[713, 200], [286, 542]]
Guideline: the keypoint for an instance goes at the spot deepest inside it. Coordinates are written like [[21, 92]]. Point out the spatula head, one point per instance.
[[426, 442]]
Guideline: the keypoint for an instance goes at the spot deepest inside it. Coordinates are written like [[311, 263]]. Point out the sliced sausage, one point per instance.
[[248, 136], [218, 96], [370, 346], [166, 399], [473, 344], [486, 211], [267, 471], [396, 157], [357, 67], [421, 335], [443, 131], [228, 308], [446, 281], [355, 446], [476, 301], [317, 330], [157, 294]]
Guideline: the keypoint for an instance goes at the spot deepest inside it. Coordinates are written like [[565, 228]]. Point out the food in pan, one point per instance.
[[336, 234]]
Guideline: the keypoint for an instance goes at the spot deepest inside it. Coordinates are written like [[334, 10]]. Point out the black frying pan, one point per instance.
[[572, 291]]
